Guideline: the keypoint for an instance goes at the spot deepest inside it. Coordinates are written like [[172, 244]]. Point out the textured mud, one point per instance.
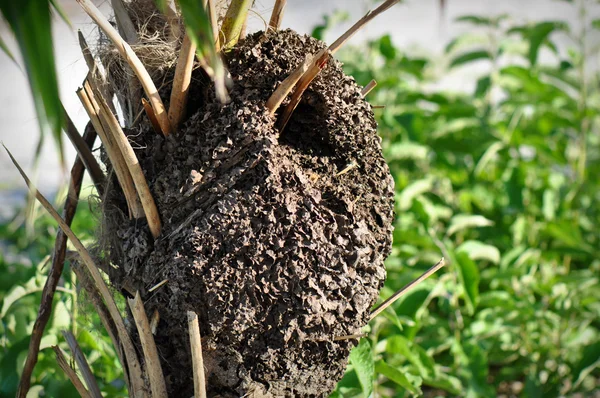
[[264, 236]]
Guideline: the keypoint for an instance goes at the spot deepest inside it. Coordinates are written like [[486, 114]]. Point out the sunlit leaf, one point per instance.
[[477, 250], [361, 359], [415, 189], [397, 377], [464, 221], [537, 35], [469, 278]]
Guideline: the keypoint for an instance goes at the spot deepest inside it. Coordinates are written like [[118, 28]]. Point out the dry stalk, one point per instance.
[[151, 116], [286, 86], [134, 62], [85, 154], [233, 22], [310, 74], [197, 361], [116, 159], [406, 289], [135, 370], [214, 22], [124, 22], [55, 272], [84, 366], [133, 165], [181, 82], [378, 106], [153, 369], [93, 294], [96, 74], [367, 89], [154, 321], [277, 14], [173, 21], [70, 372]]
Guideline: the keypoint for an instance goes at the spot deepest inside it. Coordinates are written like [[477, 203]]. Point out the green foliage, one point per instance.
[[502, 182], [24, 264]]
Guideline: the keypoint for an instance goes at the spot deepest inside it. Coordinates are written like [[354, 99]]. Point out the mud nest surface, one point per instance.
[[274, 246]]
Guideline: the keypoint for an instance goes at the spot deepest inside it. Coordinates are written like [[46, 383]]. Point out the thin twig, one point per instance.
[[154, 321], [70, 372], [277, 14], [133, 363], [378, 106], [153, 369], [124, 22], [55, 272], [134, 62], [84, 366], [161, 283], [133, 165], [350, 337], [181, 82], [116, 159], [197, 361], [233, 22], [406, 289], [97, 76], [84, 152], [367, 89]]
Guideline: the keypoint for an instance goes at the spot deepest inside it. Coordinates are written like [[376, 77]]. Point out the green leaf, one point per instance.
[[398, 377], [361, 359], [465, 221], [470, 57], [30, 22], [407, 150], [4, 48], [537, 35], [596, 24], [489, 154], [589, 362], [386, 47], [200, 31], [477, 250], [414, 353], [469, 278], [415, 189]]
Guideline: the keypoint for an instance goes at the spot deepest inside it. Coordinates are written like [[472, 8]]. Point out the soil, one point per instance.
[[275, 249]]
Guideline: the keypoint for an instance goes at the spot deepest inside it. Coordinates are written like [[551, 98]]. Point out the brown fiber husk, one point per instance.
[[275, 252]]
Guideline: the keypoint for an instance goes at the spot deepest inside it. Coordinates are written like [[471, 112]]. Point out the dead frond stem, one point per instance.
[[367, 89], [70, 372], [124, 22], [82, 363], [406, 289], [151, 116], [234, 20], [134, 62], [197, 361], [116, 158], [173, 21], [277, 14], [153, 369], [181, 82], [311, 73], [96, 74], [133, 165], [135, 370]]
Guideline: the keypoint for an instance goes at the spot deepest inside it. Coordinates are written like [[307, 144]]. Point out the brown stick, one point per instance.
[[367, 89], [197, 361], [134, 62], [277, 15], [116, 159], [84, 152], [70, 372], [96, 74], [84, 366], [286, 86], [135, 370], [181, 82], [133, 165], [58, 260], [87, 284], [153, 369], [406, 289], [151, 116]]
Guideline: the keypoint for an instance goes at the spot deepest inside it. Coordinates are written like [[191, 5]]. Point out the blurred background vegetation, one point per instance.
[[503, 181]]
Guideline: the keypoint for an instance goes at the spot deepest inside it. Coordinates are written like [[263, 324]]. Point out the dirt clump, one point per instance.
[[276, 241]]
